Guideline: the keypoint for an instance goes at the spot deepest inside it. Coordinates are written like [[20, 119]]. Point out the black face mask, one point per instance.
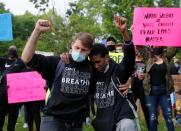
[[111, 47], [157, 51]]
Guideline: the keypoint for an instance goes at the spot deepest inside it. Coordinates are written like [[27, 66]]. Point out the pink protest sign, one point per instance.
[[26, 86], [157, 26]]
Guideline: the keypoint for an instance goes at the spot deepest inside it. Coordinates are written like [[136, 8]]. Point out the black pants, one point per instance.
[[50, 123], [33, 114], [25, 115], [138, 92], [11, 110]]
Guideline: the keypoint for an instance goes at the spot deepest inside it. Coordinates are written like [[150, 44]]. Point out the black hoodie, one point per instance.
[[4, 65], [111, 107]]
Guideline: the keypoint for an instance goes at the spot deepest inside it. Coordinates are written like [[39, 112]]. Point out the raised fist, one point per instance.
[[43, 25], [120, 23]]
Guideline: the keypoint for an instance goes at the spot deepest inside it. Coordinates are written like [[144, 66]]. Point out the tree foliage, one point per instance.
[[2, 8], [23, 25], [41, 5], [94, 16], [103, 11]]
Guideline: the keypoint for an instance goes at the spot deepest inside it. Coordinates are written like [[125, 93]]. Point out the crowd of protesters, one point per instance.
[[77, 82]]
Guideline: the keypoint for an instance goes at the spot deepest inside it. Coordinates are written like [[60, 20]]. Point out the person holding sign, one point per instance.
[[5, 108], [68, 103], [158, 85]]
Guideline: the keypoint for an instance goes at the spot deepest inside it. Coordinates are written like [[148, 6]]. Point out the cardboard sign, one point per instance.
[[26, 86], [157, 26], [6, 27], [117, 57], [177, 85]]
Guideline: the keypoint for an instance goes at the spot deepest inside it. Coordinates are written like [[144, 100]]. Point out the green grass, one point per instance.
[[161, 126]]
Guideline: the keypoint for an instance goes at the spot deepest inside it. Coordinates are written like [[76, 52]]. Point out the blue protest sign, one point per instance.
[[6, 33]]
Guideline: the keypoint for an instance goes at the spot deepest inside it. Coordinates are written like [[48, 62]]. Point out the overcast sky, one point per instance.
[[18, 7]]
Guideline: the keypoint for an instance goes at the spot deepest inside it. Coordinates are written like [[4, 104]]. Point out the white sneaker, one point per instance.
[[25, 125], [87, 121]]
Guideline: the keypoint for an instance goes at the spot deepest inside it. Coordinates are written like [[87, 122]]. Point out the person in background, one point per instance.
[[175, 70], [32, 109], [111, 44], [115, 50], [7, 109], [119, 48], [137, 80], [175, 67], [33, 114], [158, 85], [25, 125]]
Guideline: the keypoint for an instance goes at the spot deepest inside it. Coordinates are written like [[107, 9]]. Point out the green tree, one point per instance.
[[58, 39], [2, 8], [166, 3], [41, 5], [22, 28], [23, 25], [79, 19], [103, 11], [95, 16]]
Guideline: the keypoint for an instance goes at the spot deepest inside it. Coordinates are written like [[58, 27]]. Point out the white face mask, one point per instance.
[[119, 50], [77, 56]]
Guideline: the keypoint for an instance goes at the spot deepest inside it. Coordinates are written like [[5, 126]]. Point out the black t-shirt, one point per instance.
[[158, 72], [69, 98]]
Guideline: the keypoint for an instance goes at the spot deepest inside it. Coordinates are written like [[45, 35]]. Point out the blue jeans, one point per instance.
[[50, 123], [158, 97]]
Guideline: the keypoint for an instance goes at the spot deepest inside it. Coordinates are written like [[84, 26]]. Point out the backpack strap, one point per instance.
[[60, 67], [129, 102]]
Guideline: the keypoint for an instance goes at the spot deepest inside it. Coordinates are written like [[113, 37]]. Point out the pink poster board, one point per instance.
[[157, 26], [26, 86]]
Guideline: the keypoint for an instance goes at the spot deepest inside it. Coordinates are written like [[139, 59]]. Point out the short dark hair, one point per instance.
[[12, 52], [86, 39], [111, 39], [99, 49]]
